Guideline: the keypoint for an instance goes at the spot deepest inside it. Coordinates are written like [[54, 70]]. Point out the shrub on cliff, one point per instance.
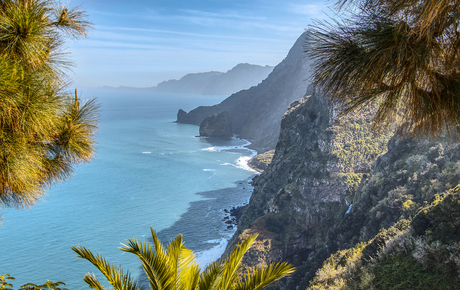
[[419, 254], [44, 130]]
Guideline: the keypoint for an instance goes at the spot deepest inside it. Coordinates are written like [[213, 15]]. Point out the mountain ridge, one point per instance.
[[240, 77], [256, 112]]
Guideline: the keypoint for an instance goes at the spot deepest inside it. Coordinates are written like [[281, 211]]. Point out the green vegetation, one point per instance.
[[406, 178], [261, 161], [175, 267], [6, 284], [422, 253], [45, 130], [401, 55], [356, 145]]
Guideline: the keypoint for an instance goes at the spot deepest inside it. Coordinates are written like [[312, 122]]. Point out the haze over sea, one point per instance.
[[148, 172]]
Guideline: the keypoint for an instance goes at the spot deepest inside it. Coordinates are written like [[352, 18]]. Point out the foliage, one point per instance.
[[402, 271], [355, 144], [401, 55], [261, 161], [417, 254], [4, 281], [175, 267], [49, 285], [405, 178], [44, 129]]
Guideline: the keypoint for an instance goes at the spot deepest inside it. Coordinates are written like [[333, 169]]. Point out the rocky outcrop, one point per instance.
[[261, 161], [256, 113], [241, 77], [217, 125]]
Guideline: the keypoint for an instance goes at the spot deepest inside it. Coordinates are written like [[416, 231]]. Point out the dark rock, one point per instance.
[[237, 212], [217, 125], [181, 115]]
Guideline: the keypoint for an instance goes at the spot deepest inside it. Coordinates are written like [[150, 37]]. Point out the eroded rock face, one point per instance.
[[217, 125], [302, 197]]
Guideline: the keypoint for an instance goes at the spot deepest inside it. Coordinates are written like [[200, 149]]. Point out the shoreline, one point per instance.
[[231, 213]]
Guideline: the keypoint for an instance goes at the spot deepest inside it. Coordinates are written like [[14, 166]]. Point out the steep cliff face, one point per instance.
[[332, 184], [308, 188], [256, 113]]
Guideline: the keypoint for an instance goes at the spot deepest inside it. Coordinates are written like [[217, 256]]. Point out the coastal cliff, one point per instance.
[[256, 113], [309, 185], [334, 183]]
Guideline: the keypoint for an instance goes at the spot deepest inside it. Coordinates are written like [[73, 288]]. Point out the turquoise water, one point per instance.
[[148, 172]]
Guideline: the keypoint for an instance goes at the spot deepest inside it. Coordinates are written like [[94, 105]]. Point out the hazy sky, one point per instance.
[[143, 42]]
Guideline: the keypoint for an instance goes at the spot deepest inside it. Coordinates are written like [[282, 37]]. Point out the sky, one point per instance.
[[140, 43]]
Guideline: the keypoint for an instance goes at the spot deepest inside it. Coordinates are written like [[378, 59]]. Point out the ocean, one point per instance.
[[148, 172]]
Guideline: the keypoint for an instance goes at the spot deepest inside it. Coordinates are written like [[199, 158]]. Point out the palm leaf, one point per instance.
[[208, 279], [113, 274], [262, 276], [231, 268], [189, 270]]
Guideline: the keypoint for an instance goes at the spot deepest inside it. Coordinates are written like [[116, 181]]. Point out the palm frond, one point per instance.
[[113, 274], [209, 277], [148, 260], [231, 268], [262, 276], [189, 270], [92, 281]]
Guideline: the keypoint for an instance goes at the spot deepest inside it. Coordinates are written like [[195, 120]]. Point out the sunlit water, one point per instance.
[[148, 172]]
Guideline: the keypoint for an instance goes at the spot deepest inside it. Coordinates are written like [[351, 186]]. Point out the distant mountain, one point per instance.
[[190, 83], [242, 76], [256, 113]]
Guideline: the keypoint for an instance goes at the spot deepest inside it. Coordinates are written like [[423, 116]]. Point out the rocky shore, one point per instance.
[[233, 215]]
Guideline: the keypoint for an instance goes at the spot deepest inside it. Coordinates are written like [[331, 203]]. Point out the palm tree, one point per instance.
[[400, 54], [44, 130], [175, 268]]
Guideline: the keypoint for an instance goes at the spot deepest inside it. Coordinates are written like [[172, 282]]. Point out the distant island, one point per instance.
[[241, 77]]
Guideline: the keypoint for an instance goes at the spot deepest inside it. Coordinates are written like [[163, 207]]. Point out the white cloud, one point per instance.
[[311, 10]]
